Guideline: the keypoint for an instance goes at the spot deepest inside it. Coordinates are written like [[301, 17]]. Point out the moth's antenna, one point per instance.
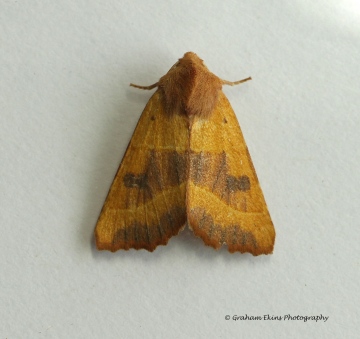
[[145, 87], [232, 83]]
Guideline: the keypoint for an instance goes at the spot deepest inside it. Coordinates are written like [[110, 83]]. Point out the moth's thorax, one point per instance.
[[190, 88]]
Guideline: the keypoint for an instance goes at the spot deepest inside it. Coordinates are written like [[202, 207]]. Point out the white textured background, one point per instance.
[[67, 114]]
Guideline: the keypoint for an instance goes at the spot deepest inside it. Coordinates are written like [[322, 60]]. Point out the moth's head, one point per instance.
[[191, 57], [189, 62]]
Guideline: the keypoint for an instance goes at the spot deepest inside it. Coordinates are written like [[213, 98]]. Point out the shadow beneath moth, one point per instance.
[[186, 163]]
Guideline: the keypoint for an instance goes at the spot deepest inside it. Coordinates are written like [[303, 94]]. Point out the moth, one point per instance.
[[186, 164]]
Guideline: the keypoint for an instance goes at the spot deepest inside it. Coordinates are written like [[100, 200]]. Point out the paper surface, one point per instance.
[[68, 113]]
